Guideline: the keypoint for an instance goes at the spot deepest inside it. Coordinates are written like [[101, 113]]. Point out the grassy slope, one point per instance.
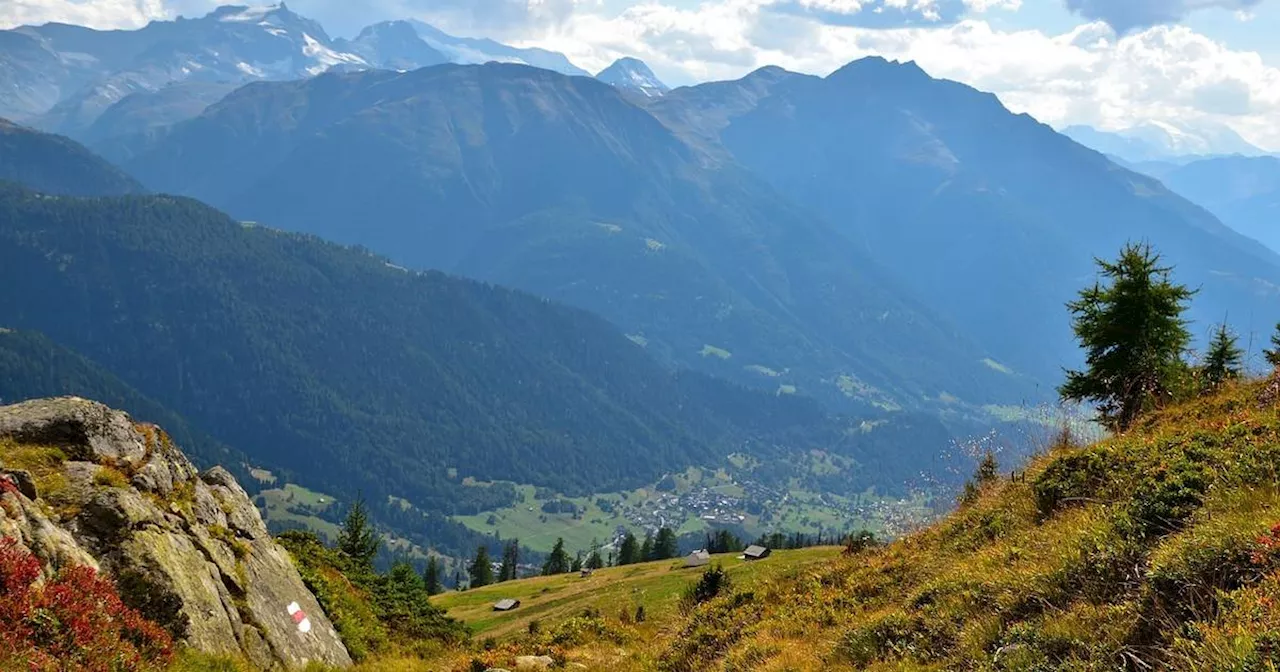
[[1144, 551], [656, 585], [1159, 549]]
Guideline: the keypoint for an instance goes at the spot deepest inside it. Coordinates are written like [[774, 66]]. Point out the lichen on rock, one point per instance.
[[188, 550]]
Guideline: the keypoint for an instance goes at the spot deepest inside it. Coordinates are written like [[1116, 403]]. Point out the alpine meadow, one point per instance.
[[752, 336]]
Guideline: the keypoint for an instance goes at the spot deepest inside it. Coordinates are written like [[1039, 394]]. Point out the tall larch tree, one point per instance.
[[1134, 336]]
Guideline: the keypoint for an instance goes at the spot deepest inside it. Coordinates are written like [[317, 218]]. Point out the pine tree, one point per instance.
[[510, 561], [629, 551], [666, 545], [431, 577], [576, 565], [594, 561], [1223, 361], [646, 549], [1134, 337], [480, 571], [357, 540], [558, 561], [1273, 355]]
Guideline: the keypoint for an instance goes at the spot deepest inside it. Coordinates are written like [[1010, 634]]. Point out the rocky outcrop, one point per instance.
[[189, 550]]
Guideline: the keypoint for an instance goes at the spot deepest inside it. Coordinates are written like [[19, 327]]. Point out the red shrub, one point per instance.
[[75, 621]]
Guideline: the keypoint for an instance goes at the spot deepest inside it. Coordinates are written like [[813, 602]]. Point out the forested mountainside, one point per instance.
[[32, 366], [1243, 191], [989, 217], [351, 374], [58, 165], [561, 186]]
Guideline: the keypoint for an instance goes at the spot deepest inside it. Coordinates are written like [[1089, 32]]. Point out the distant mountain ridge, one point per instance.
[[1243, 191], [1162, 141], [562, 187], [471, 51], [58, 165], [65, 78], [992, 218]]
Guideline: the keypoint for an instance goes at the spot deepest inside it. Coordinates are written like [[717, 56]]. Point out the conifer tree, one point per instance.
[[510, 561], [1134, 337], [1223, 361], [646, 549], [357, 539], [665, 545], [629, 550], [1273, 355], [431, 577], [480, 571], [558, 561], [594, 561]]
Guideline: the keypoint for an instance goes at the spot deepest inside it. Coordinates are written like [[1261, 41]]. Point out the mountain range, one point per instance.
[[990, 218], [1164, 141], [334, 367], [562, 187], [66, 78]]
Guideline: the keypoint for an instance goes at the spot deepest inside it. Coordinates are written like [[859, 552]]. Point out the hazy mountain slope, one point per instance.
[[351, 374], [147, 112], [991, 217], [562, 187], [32, 366], [472, 50], [1243, 192], [57, 165], [1156, 141]]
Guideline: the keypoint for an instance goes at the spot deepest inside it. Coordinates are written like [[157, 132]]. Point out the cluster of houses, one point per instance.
[[700, 558]]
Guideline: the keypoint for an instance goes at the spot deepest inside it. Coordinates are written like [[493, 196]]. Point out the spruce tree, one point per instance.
[[558, 561], [480, 571], [510, 561], [1223, 361], [1134, 337], [629, 551], [665, 545], [1273, 355], [431, 577], [646, 549], [594, 561], [357, 540]]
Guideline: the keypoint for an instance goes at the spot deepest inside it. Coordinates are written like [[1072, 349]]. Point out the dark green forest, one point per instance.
[[350, 375]]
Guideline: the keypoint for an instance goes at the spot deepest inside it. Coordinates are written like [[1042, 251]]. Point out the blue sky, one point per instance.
[[1199, 64]]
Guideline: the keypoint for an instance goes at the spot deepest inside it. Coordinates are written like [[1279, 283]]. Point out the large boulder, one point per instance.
[[189, 550]]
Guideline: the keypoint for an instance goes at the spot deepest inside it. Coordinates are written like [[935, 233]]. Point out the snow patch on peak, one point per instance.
[[325, 57]]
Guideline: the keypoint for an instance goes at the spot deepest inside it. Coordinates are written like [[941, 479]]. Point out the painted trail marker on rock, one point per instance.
[[299, 617]]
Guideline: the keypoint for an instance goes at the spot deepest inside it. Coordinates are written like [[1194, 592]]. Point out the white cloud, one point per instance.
[[1127, 15], [96, 13], [1086, 75]]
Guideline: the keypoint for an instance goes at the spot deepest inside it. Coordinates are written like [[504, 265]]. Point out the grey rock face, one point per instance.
[[188, 550]]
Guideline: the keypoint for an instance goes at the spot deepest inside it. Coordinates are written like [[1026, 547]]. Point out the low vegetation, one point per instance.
[[73, 620]]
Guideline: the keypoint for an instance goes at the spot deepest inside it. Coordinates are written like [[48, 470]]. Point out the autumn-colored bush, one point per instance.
[[74, 621]]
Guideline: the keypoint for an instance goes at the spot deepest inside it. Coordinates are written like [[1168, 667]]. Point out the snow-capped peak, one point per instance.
[[325, 57], [632, 74]]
